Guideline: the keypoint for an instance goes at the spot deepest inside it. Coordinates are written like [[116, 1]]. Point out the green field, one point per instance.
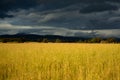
[[59, 61]]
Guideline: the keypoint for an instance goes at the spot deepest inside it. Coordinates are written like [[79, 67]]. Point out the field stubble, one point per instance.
[[59, 61]]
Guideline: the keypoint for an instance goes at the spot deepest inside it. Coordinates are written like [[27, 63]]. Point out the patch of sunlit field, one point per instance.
[[59, 61]]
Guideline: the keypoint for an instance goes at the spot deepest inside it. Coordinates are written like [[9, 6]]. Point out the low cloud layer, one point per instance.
[[47, 30]]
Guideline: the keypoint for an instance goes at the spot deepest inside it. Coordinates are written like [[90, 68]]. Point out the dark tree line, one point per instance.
[[19, 40], [100, 40], [57, 40]]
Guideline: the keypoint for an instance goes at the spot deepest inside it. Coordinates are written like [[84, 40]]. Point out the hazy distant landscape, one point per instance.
[[21, 38]]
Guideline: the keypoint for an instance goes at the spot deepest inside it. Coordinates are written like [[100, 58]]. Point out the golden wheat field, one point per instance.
[[59, 61]]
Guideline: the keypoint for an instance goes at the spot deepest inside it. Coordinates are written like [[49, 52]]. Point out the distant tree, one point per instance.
[[103, 41], [21, 40], [95, 40], [80, 41], [85, 41], [39, 40], [58, 41], [5, 40], [111, 40], [45, 40], [0, 40]]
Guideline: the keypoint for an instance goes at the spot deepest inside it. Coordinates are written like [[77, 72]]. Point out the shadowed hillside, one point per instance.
[[21, 37]]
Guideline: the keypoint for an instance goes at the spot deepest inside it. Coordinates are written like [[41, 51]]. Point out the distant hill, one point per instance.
[[51, 38], [35, 37]]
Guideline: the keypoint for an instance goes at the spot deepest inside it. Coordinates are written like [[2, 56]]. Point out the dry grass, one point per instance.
[[39, 61]]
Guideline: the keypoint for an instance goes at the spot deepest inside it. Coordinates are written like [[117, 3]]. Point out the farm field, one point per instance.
[[59, 61]]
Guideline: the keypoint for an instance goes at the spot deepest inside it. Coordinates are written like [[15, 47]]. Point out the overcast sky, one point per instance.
[[61, 17]]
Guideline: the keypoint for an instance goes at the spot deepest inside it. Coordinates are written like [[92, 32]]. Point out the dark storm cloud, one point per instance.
[[93, 5], [12, 5], [3, 14], [64, 16], [99, 7], [6, 5], [68, 17]]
